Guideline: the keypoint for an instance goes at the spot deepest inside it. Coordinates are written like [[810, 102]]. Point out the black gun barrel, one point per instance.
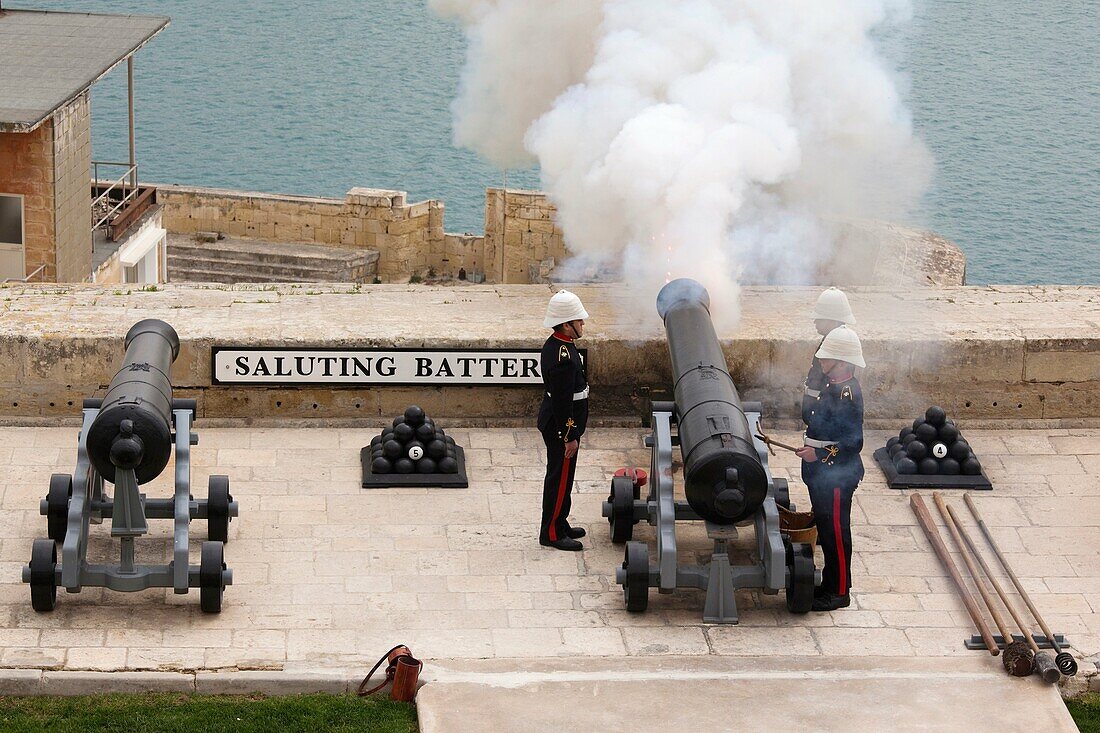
[[723, 477], [134, 425]]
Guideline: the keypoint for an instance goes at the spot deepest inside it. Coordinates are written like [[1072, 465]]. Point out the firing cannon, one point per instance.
[[726, 479], [127, 439]]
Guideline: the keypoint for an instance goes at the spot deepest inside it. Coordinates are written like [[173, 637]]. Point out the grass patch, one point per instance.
[[1086, 712], [177, 713]]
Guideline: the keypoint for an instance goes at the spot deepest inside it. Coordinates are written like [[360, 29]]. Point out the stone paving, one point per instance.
[[327, 575]]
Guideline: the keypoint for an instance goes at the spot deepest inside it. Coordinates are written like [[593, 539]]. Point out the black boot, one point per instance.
[[575, 532], [830, 602], [565, 543]]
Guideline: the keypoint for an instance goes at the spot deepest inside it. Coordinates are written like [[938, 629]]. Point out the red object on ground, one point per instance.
[[637, 475]]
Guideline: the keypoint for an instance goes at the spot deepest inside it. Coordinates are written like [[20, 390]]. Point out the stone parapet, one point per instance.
[[999, 353]]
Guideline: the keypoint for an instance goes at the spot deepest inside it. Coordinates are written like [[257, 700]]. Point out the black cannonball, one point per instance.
[[404, 432], [451, 452], [414, 416], [398, 420], [949, 467], [440, 435], [376, 440], [404, 465], [376, 453], [959, 450], [387, 434], [436, 449], [895, 449], [949, 433], [425, 433], [892, 442], [448, 465], [917, 423], [929, 466], [909, 438], [449, 439], [905, 431], [927, 433], [414, 449], [425, 465], [380, 465], [392, 449], [905, 465], [936, 416], [916, 450], [971, 466], [939, 451]]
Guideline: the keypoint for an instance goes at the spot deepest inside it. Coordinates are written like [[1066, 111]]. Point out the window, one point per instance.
[[11, 219], [12, 237]]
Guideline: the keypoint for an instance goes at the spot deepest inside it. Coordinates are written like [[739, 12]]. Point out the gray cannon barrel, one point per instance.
[[134, 425], [723, 477]]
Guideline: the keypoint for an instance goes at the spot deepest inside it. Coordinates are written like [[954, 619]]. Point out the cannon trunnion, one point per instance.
[[127, 439], [726, 480]]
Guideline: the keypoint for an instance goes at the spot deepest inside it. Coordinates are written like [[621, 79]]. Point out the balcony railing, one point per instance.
[[105, 206]]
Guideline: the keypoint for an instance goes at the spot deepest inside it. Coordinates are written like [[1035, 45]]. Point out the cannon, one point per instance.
[[726, 480], [127, 439]]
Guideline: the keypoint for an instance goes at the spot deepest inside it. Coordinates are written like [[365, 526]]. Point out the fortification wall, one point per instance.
[[522, 242], [1001, 353]]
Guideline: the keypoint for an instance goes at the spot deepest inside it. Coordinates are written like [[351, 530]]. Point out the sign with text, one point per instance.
[[292, 365]]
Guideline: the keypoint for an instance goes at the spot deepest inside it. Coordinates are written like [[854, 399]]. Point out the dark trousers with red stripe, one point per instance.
[[832, 507], [557, 488]]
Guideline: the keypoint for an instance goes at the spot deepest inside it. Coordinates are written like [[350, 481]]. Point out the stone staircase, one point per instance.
[[233, 260]]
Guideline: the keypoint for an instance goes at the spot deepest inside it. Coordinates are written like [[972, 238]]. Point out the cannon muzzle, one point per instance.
[[134, 427], [724, 479]]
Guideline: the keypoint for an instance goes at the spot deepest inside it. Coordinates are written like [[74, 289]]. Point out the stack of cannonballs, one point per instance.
[[932, 446], [413, 444]]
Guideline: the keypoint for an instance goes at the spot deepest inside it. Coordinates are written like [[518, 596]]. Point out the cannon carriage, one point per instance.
[[127, 439], [726, 480]]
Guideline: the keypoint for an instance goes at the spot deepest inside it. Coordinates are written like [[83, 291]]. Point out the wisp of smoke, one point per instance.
[[711, 139]]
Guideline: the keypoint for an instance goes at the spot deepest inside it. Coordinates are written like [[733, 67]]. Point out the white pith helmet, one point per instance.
[[832, 305], [842, 344], [564, 306]]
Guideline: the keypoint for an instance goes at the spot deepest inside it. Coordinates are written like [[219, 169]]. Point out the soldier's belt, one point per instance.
[[814, 443], [815, 393], [582, 395]]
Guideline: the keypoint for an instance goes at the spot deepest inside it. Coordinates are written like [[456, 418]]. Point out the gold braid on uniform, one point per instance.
[[833, 450], [569, 425]]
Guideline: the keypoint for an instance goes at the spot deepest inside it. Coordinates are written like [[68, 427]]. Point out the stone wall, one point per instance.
[[1012, 354], [522, 243], [408, 237], [72, 144], [520, 233], [26, 167]]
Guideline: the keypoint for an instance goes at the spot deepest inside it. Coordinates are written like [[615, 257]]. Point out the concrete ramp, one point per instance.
[[792, 695]]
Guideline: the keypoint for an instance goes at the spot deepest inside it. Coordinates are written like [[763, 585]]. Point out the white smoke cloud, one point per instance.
[[712, 139]]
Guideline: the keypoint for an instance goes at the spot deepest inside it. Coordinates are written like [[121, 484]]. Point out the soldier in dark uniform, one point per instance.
[[562, 418], [831, 463], [832, 310]]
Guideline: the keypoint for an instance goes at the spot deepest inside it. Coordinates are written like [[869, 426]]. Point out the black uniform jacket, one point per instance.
[[562, 376], [815, 382], [838, 419]]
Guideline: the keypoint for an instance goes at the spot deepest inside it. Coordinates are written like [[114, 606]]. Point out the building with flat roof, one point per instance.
[[63, 216]]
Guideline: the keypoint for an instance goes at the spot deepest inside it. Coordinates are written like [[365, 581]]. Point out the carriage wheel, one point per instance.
[[636, 585], [43, 575], [211, 565], [57, 506]]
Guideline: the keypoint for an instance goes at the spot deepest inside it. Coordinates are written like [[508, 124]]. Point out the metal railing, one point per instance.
[[23, 279], [102, 205]]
